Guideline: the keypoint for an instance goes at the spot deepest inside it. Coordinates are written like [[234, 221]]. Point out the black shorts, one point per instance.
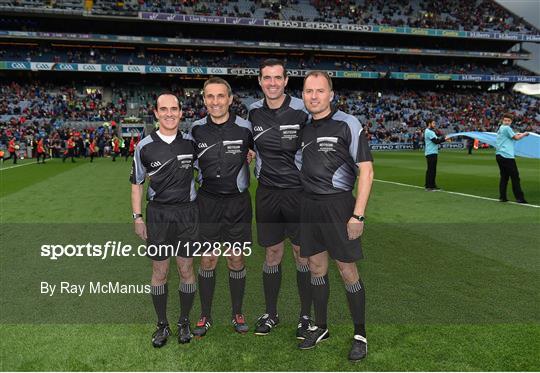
[[324, 226], [171, 229], [225, 218], [278, 215]]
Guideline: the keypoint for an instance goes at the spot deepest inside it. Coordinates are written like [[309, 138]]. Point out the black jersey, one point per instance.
[[221, 152], [276, 133], [331, 148], [168, 166]]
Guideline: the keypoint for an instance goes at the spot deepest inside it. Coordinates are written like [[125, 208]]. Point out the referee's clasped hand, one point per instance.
[[250, 156], [140, 228], [355, 228]]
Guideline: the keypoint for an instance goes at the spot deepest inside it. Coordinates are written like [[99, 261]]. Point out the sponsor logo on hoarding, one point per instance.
[[442, 77], [86, 67], [476, 34], [409, 146], [297, 72], [391, 146], [43, 66], [352, 74], [419, 31], [197, 70], [112, 68], [217, 70], [65, 66], [453, 145], [499, 78], [321, 26], [532, 37], [176, 69], [244, 71], [134, 69], [17, 65], [351, 27], [527, 78], [471, 77], [286, 24], [450, 33], [155, 69], [388, 29], [412, 76]]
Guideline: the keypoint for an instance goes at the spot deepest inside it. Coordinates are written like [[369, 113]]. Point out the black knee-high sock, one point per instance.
[[271, 283], [356, 296], [320, 288], [159, 298], [237, 286], [303, 281], [187, 295], [207, 284]]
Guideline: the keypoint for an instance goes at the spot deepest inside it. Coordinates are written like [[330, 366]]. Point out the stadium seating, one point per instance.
[[390, 116], [148, 56], [475, 15]]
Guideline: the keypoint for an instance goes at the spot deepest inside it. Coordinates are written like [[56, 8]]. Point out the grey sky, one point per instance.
[[530, 10]]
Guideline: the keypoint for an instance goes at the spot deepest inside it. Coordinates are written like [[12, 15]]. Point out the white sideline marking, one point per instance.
[[456, 193], [19, 165]]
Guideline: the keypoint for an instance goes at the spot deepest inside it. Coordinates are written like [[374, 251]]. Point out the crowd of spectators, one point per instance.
[[192, 101], [147, 56], [399, 116], [33, 111], [60, 104], [56, 113], [473, 15], [28, 133]]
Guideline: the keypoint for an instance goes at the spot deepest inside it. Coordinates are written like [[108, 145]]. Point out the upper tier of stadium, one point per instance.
[[474, 15], [61, 53]]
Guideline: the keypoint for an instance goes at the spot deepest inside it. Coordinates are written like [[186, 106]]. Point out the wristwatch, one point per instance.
[[136, 216], [361, 218]]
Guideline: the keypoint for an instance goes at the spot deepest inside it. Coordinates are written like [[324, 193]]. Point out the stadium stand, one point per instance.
[[397, 116], [179, 57], [475, 15], [39, 102]]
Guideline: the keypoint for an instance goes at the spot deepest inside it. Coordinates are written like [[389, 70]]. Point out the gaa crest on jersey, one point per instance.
[[259, 131], [204, 148]]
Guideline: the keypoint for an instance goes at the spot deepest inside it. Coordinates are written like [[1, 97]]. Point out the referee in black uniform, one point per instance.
[[277, 121], [334, 150], [167, 158], [223, 141]]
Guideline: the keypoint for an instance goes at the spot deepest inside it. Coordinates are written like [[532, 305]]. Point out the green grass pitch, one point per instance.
[[451, 280]]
